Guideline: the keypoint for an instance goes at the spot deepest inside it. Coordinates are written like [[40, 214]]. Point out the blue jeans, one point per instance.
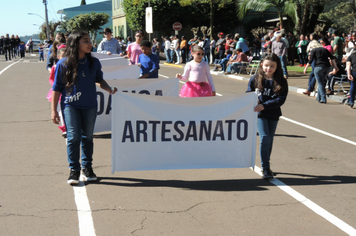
[[168, 55], [352, 89], [284, 64], [266, 129], [320, 76], [178, 55], [80, 127], [303, 58], [223, 63], [312, 80]]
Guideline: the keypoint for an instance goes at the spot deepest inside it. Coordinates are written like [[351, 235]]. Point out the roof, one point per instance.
[[97, 7]]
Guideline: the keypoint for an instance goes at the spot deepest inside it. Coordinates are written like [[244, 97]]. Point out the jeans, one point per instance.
[[284, 64], [184, 55], [207, 55], [352, 89], [303, 58], [256, 53], [266, 129], [312, 80], [7, 51], [212, 52], [320, 76], [221, 54], [80, 127], [168, 55], [41, 57], [223, 63], [178, 55], [30, 49]]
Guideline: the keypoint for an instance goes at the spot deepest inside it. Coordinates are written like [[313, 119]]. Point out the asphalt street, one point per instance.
[[314, 192]]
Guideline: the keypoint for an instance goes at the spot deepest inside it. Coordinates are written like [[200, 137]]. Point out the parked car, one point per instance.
[[36, 43]]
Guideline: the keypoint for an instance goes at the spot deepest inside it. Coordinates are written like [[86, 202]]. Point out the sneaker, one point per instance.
[[267, 174], [300, 65], [89, 175], [177, 63], [73, 177]]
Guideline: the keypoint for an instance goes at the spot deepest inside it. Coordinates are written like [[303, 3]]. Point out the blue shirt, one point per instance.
[[243, 46], [40, 50], [149, 65], [83, 93]]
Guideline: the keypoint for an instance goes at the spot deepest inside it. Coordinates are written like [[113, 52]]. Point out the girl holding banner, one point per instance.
[[75, 79], [273, 90], [198, 72]]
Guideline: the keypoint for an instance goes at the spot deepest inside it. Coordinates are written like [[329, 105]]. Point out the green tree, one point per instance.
[[89, 22], [52, 25], [213, 4], [283, 7], [343, 16], [83, 3]]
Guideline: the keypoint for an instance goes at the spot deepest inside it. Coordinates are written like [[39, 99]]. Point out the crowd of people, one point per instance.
[[12, 47]]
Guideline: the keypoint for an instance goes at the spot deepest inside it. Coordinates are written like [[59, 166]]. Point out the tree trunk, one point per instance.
[[305, 19], [317, 10], [211, 19], [299, 13], [280, 20]]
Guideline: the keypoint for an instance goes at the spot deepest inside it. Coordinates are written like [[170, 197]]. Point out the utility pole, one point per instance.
[[46, 14]]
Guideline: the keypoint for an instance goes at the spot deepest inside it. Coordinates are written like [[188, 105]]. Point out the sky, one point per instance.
[[15, 20]]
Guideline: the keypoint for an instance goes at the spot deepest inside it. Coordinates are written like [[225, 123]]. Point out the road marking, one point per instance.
[[319, 131], [311, 205], [86, 224], [9, 66], [302, 199]]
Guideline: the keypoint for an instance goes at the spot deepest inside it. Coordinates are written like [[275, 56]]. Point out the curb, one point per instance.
[[169, 64], [336, 98]]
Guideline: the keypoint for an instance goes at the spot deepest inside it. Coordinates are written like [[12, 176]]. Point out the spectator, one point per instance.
[[302, 45], [13, 46], [241, 44], [256, 47], [291, 50], [1, 44], [223, 62], [337, 46], [266, 48], [167, 49], [53, 59], [7, 46], [221, 45], [30, 46], [206, 47], [351, 44], [184, 49], [176, 48], [279, 48], [157, 47], [351, 75], [22, 49], [238, 62], [212, 49]]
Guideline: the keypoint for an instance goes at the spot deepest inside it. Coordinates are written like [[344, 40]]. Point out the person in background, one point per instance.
[[302, 45], [212, 49], [52, 60], [134, 49], [206, 47], [148, 62], [49, 65], [176, 48], [7, 46], [221, 45], [13, 46], [167, 49], [30, 46], [22, 49], [157, 47], [337, 46], [1, 44], [40, 52], [279, 48], [109, 45], [184, 49]]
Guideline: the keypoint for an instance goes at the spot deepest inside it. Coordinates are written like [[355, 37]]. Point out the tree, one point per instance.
[[213, 4], [283, 7], [343, 16], [52, 25], [83, 3], [89, 22]]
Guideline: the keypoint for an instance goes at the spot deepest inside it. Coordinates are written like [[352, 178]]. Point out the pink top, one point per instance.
[[198, 72], [135, 50], [51, 76], [329, 48]]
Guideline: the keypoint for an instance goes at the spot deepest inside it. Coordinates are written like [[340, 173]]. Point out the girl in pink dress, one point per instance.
[[198, 72]]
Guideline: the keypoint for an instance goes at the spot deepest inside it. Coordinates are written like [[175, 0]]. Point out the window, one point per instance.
[[118, 3]]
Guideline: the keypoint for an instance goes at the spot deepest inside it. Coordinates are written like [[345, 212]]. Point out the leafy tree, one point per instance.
[[343, 16], [83, 3], [213, 4], [283, 7], [89, 22], [52, 25]]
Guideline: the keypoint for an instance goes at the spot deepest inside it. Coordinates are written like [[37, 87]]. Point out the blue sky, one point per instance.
[[14, 18]]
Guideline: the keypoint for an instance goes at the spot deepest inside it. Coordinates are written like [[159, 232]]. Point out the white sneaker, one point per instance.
[[177, 63]]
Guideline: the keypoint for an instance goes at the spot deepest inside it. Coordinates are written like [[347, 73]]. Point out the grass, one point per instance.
[[298, 69]]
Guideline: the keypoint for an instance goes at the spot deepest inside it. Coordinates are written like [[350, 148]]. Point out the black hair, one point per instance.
[[107, 30], [129, 38], [239, 50], [146, 43], [325, 40], [196, 48], [70, 67], [228, 52]]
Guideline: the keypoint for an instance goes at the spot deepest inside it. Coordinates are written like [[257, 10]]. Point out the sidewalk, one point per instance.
[[297, 82]]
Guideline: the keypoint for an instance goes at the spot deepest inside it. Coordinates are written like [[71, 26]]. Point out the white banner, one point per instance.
[[116, 67], [149, 16], [159, 133], [158, 87]]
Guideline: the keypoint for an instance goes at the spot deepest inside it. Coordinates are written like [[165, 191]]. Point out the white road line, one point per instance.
[[319, 131], [9, 66], [86, 224], [302, 199], [311, 205]]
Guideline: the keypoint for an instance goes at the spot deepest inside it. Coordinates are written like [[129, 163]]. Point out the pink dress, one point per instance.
[[198, 74], [135, 50], [51, 81]]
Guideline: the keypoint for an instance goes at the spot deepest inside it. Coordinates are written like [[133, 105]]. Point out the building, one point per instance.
[[120, 26], [99, 7]]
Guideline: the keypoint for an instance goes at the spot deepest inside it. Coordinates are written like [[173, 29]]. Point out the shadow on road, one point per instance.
[[290, 136], [228, 185]]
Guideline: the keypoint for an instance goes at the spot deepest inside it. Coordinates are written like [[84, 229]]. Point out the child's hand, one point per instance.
[[179, 76], [55, 117], [113, 90], [109, 53], [259, 108], [139, 64]]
